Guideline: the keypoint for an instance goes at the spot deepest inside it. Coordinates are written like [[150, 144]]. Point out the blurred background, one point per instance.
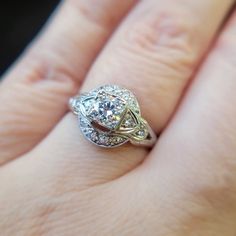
[[20, 21]]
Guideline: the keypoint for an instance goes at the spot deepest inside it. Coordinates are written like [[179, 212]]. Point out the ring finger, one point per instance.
[[154, 54]]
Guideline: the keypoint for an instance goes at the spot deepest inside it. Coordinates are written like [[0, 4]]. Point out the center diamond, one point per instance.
[[108, 110]]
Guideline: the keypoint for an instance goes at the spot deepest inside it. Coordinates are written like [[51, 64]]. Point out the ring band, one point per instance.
[[109, 116]]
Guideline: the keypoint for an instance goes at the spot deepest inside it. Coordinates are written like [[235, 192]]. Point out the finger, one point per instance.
[[153, 55], [35, 92], [197, 151]]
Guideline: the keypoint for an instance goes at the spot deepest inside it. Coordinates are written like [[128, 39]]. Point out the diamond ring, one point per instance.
[[109, 116]]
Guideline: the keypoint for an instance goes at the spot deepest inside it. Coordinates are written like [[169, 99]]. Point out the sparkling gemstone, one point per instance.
[[103, 139], [128, 121], [141, 133], [107, 111], [94, 136]]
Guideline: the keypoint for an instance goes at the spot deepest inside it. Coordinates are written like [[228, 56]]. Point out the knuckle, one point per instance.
[[95, 12], [165, 38], [43, 65]]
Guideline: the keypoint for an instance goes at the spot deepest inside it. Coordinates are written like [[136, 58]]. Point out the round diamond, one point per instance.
[[106, 109]]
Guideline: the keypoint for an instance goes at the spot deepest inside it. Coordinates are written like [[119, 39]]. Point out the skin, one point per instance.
[[179, 58]]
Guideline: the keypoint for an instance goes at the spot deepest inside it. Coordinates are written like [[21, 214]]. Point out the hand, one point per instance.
[[53, 182]]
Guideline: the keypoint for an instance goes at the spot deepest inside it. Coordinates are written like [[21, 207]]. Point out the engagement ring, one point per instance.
[[109, 116]]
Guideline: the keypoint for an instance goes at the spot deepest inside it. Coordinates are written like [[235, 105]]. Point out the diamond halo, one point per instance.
[[109, 116]]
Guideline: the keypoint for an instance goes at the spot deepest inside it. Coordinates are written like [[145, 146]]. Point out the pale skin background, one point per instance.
[[179, 58]]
